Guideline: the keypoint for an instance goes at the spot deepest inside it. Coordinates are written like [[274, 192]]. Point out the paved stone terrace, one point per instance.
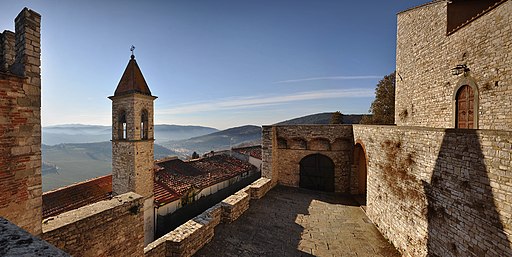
[[298, 222]]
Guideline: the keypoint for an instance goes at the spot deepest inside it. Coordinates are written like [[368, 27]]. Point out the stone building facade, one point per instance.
[[426, 89], [20, 123]]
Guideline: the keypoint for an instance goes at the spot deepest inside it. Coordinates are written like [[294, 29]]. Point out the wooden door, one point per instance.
[[465, 105]]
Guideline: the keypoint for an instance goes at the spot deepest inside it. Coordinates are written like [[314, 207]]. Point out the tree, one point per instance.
[[336, 118], [383, 107], [195, 155]]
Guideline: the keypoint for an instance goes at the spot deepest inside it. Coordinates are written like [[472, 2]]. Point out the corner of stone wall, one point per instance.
[[20, 123], [107, 228]]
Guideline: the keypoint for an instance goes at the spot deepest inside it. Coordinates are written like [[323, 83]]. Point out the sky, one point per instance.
[[221, 63]]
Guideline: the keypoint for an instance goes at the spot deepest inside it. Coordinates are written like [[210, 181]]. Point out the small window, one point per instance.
[[144, 125], [121, 126]]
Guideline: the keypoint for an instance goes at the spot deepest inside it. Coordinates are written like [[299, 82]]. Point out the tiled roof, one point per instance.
[[173, 178], [253, 151], [132, 80], [76, 195], [176, 177]]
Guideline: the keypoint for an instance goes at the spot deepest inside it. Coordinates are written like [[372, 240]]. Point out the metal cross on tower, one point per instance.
[[131, 49]]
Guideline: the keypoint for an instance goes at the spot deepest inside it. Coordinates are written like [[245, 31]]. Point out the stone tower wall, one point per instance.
[[132, 159], [20, 123], [425, 87]]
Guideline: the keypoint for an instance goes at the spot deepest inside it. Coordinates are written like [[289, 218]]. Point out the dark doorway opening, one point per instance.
[[317, 173], [361, 173]]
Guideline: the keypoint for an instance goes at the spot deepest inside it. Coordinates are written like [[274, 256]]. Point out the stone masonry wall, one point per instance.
[[20, 123], [425, 87], [132, 158], [440, 192], [107, 228], [284, 147]]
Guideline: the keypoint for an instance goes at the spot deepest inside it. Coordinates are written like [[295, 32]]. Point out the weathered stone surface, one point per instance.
[[443, 192], [15, 242], [297, 222], [108, 228]]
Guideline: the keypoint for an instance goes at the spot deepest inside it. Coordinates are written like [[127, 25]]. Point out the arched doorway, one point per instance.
[[361, 169], [465, 108], [317, 173]]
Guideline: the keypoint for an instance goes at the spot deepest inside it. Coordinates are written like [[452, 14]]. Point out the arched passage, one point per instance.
[[317, 173], [361, 169]]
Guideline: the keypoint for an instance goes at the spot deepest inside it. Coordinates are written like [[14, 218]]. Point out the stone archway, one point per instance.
[[317, 173], [361, 171]]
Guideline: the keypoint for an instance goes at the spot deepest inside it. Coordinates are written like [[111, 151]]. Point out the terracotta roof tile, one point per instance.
[[176, 177], [253, 151], [76, 195], [132, 80]]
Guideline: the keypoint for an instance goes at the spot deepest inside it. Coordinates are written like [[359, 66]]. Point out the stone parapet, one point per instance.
[[188, 238], [107, 228]]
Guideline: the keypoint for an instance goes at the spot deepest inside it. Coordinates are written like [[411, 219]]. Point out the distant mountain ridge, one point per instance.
[[220, 140], [80, 133], [322, 118]]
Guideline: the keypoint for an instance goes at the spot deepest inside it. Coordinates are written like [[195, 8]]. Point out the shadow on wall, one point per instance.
[[462, 217]]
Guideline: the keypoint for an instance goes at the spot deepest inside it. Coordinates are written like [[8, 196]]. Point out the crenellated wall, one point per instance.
[[20, 123], [283, 147], [440, 192]]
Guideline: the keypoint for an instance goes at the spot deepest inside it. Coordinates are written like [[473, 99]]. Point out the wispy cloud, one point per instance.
[[260, 101], [328, 78]]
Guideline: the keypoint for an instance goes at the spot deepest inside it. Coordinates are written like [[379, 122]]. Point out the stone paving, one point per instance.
[[299, 222]]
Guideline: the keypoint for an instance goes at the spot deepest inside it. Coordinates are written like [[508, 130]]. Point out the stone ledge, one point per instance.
[[15, 241], [73, 216]]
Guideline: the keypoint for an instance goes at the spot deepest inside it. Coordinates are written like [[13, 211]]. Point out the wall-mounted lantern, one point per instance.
[[460, 69]]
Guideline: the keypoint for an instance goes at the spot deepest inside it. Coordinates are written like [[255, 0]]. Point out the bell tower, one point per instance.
[[132, 140]]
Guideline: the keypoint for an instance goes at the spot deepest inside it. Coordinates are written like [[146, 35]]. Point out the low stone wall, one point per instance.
[[440, 192], [107, 228], [188, 238]]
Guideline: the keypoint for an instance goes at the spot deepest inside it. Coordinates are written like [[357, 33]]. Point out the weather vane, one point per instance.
[[131, 49]]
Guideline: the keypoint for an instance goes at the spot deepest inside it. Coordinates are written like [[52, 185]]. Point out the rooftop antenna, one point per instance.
[[131, 49]]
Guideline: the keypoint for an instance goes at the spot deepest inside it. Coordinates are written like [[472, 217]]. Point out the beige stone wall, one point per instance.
[[285, 146], [425, 87], [106, 228], [437, 192], [20, 123]]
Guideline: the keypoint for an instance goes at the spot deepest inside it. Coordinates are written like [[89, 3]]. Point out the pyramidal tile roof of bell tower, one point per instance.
[[132, 80]]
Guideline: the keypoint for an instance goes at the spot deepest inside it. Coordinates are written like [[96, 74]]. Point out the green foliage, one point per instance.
[[336, 118], [383, 107]]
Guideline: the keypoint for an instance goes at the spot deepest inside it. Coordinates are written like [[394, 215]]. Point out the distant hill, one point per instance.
[[65, 164], [217, 141], [79, 133], [322, 118]]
